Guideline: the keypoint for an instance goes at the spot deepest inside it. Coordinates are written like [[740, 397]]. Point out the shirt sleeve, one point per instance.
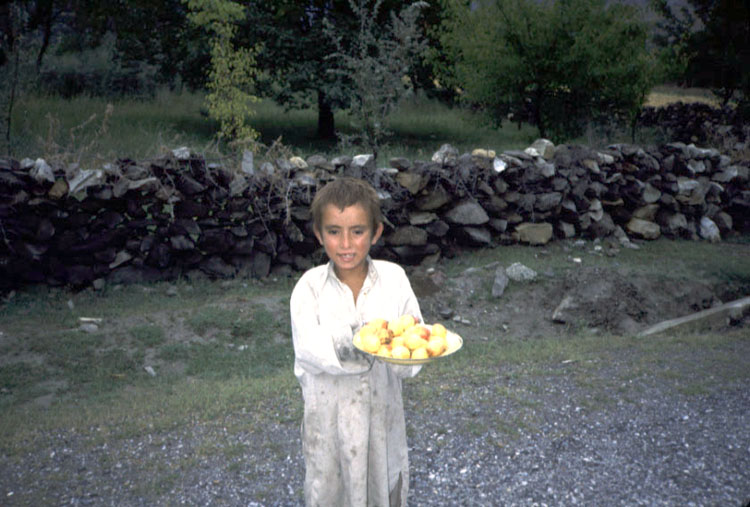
[[322, 348]]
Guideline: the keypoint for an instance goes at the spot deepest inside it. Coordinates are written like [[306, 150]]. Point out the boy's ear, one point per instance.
[[378, 233], [317, 235]]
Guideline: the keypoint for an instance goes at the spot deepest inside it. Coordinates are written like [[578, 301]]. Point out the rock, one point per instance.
[[298, 162], [534, 234], [218, 267], [412, 255], [500, 282], [520, 273], [181, 153], [547, 201], [467, 212], [446, 155], [603, 227], [42, 171], [421, 217], [566, 230], [561, 312], [498, 165], [438, 228], [434, 199], [365, 161], [400, 163], [709, 230], [482, 153], [477, 236], [89, 327], [121, 258], [319, 161], [674, 224], [591, 165], [647, 212], [411, 181], [408, 235], [248, 162], [651, 194], [723, 221], [542, 148], [643, 228], [260, 264]]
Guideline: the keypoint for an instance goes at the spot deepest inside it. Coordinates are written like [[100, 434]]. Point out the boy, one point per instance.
[[354, 433]]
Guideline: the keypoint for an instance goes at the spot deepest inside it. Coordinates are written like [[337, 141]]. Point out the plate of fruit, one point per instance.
[[406, 341]]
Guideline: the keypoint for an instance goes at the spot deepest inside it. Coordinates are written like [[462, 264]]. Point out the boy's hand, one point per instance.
[[348, 354]]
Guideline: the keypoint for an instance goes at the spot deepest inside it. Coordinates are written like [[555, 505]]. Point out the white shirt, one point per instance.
[[354, 433]]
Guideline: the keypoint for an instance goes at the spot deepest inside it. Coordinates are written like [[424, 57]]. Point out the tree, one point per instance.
[[232, 73], [379, 64], [714, 38], [558, 65], [295, 48]]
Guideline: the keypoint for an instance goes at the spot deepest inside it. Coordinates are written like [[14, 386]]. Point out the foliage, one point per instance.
[[712, 37], [559, 65], [378, 65], [17, 67], [232, 72], [297, 72]]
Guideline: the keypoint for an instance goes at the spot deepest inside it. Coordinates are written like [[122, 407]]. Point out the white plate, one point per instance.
[[411, 362]]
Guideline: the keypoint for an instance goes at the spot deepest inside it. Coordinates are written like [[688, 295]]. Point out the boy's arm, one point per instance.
[[323, 349]]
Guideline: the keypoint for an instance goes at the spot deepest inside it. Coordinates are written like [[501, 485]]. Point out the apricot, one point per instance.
[[370, 343], [400, 352], [420, 353], [438, 330], [436, 346]]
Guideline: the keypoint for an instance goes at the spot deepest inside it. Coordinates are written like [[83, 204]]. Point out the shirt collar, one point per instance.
[[372, 272]]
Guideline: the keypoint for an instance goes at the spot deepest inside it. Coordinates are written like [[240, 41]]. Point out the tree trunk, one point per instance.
[[326, 126]]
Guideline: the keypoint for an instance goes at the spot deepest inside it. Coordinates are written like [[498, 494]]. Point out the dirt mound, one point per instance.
[[607, 299]]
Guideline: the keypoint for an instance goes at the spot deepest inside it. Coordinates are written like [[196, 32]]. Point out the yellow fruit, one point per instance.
[[384, 351], [397, 341], [378, 323], [419, 330], [400, 352], [384, 335], [420, 353], [414, 341], [367, 329], [399, 325], [436, 346], [370, 343], [438, 330]]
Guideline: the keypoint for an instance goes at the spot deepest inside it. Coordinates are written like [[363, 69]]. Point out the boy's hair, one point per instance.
[[344, 192]]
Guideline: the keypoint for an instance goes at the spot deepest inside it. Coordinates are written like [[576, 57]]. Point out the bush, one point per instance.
[[98, 73], [558, 65]]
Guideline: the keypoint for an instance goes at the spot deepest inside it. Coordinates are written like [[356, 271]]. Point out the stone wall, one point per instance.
[[180, 216]]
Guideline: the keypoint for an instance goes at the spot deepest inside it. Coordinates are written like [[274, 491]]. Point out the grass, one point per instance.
[[714, 261], [667, 94], [81, 130]]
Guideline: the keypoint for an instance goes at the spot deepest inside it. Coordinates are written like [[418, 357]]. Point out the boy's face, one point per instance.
[[347, 236]]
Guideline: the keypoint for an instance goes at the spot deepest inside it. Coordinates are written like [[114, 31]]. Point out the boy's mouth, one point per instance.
[[346, 257]]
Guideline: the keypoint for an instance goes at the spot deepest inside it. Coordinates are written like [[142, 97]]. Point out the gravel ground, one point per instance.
[[523, 438]]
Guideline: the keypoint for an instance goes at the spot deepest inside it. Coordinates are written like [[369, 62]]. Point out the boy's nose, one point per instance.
[[346, 239]]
